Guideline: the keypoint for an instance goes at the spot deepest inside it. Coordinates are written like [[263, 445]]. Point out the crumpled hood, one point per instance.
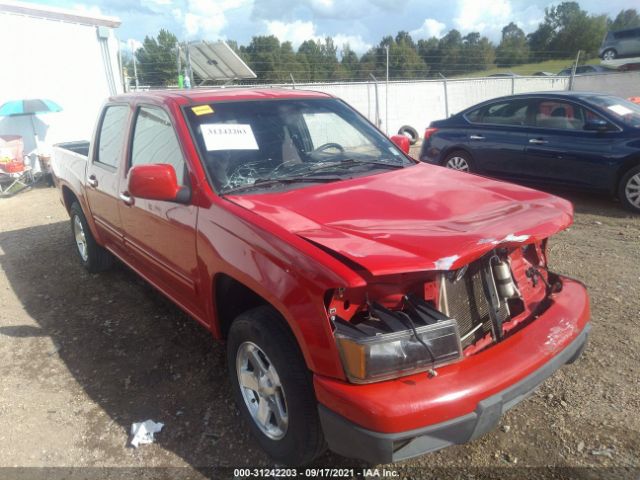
[[417, 218]]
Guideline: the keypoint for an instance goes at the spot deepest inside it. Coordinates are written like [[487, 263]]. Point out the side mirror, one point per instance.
[[401, 142], [155, 182], [596, 125]]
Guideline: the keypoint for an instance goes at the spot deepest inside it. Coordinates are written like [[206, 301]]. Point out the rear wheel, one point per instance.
[[458, 160], [610, 54], [273, 388], [93, 257], [629, 189]]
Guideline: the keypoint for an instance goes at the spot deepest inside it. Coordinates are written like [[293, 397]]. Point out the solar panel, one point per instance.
[[215, 61]]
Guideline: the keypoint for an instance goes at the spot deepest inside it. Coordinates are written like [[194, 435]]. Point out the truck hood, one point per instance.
[[414, 219]]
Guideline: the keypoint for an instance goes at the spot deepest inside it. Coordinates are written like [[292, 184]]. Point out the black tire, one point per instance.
[[97, 259], [303, 440], [629, 184], [460, 154], [410, 133], [611, 51]]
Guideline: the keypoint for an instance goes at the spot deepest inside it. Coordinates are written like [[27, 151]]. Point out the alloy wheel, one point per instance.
[[458, 163], [81, 239], [262, 390], [609, 55], [632, 190]]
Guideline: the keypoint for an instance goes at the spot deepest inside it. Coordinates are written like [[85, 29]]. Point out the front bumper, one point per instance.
[[409, 416]]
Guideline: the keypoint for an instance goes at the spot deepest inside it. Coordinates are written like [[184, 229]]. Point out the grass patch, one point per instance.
[[552, 66]]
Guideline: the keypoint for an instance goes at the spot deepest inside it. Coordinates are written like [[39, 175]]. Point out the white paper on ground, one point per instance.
[[142, 432], [228, 136], [620, 109]]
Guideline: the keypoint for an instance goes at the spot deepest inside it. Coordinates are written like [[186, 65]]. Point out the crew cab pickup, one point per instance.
[[370, 303]]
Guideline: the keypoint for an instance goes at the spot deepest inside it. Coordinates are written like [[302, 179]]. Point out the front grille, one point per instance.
[[466, 301]]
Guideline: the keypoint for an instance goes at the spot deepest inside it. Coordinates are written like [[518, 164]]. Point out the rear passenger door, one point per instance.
[[102, 182], [560, 151], [160, 236], [497, 137]]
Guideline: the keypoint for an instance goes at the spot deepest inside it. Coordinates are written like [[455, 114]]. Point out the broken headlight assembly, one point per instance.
[[388, 344]]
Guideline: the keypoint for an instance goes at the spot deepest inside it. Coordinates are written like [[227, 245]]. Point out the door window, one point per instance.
[[559, 115], [112, 135], [503, 113], [155, 141]]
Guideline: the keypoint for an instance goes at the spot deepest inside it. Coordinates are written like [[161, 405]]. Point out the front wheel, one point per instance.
[[629, 190], [458, 160], [273, 388], [609, 55], [93, 257]]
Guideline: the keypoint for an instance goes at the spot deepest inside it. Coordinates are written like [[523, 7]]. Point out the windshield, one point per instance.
[[276, 144], [622, 110]]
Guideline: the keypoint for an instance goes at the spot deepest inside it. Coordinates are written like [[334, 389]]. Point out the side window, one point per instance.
[[506, 113], [474, 116], [155, 141], [559, 115], [112, 135]]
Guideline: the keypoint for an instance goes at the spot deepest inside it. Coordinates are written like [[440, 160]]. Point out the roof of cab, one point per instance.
[[219, 94]]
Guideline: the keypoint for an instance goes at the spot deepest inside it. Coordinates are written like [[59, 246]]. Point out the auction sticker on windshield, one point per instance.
[[224, 136]]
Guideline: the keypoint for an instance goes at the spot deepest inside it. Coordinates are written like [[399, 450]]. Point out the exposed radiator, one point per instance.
[[464, 299]]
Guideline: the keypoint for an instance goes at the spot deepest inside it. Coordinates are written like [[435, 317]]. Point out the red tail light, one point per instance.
[[428, 132]]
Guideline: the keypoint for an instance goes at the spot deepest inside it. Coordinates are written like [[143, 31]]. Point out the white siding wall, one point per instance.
[[60, 61]]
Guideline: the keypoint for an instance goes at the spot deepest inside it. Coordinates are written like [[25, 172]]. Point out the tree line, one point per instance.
[[566, 29]]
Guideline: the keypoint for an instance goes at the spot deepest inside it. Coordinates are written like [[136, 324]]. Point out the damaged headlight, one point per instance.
[[372, 357]]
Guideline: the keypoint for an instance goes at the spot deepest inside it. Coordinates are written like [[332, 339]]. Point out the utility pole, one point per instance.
[[375, 84], [135, 68], [386, 96], [180, 77], [189, 68], [573, 71], [446, 96]]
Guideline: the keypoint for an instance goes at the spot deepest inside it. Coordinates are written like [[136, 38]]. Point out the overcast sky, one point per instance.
[[361, 23]]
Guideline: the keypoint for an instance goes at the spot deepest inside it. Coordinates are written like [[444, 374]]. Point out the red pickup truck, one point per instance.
[[369, 303]]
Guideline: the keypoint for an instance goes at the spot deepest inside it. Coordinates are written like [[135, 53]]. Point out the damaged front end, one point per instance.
[[415, 322]]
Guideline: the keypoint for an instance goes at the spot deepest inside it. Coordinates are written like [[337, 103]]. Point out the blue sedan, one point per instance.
[[579, 140]]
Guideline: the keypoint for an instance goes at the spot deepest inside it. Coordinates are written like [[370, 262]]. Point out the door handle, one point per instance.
[[126, 198], [537, 141], [92, 180], [476, 137]]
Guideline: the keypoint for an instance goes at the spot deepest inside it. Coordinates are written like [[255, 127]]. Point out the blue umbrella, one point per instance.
[[29, 107]]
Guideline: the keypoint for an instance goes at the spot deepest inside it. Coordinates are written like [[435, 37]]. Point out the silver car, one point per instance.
[[621, 43]]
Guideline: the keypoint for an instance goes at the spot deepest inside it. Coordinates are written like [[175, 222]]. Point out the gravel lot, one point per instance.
[[83, 356]]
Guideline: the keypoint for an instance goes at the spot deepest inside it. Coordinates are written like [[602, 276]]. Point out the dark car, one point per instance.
[[586, 70], [587, 141]]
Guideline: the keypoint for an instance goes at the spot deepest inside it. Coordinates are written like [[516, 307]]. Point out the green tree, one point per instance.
[[513, 48], [404, 60], [478, 53], [450, 58], [157, 60], [540, 43], [566, 29], [350, 62], [626, 19], [430, 54]]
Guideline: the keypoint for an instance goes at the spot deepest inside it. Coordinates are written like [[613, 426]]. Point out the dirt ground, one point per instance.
[[84, 356]]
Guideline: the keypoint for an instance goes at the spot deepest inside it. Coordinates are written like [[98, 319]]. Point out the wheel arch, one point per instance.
[[622, 171], [232, 298], [455, 148]]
